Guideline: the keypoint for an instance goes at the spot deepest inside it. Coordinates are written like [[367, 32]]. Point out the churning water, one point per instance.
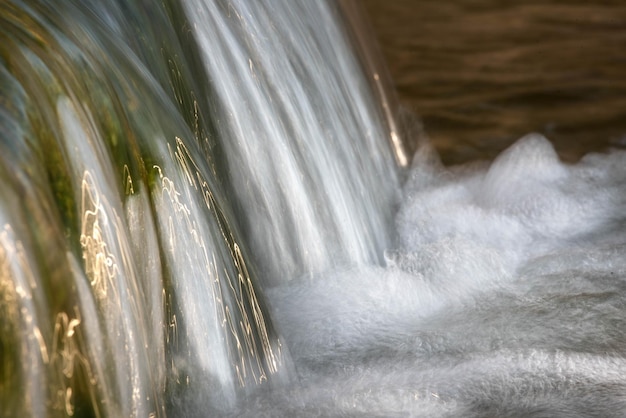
[[197, 213]]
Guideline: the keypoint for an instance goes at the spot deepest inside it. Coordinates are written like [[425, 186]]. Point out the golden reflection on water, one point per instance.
[[20, 305], [10, 291], [100, 264], [236, 303], [97, 349], [65, 350]]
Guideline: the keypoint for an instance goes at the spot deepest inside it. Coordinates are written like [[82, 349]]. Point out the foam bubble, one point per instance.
[[525, 204], [505, 295]]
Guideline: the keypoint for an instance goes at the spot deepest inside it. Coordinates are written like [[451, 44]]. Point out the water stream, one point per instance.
[[158, 169], [205, 211]]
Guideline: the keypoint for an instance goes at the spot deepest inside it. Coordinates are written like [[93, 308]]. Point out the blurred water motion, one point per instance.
[[201, 211], [155, 169]]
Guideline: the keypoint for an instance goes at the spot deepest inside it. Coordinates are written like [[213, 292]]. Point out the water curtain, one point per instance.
[[162, 163]]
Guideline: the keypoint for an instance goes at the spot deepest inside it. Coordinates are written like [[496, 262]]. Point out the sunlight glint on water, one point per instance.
[[183, 183], [139, 223]]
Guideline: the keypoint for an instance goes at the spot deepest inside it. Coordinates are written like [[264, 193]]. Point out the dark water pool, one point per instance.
[[482, 73]]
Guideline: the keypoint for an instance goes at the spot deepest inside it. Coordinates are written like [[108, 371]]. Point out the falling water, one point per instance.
[[197, 219], [159, 162]]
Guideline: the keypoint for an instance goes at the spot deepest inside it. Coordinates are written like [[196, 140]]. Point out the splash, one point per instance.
[[160, 162], [504, 296], [197, 218]]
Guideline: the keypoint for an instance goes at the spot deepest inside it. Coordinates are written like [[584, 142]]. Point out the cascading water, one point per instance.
[[184, 181], [151, 182], [293, 166]]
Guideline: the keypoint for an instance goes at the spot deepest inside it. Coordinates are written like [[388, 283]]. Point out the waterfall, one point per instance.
[[208, 208], [291, 148], [160, 162]]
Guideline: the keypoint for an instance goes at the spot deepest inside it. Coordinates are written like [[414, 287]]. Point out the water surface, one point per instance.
[[482, 73]]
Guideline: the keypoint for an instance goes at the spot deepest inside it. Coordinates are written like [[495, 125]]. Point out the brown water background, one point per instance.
[[482, 73]]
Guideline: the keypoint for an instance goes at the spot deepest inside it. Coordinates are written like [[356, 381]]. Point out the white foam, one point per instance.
[[525, 204], [504, 296]]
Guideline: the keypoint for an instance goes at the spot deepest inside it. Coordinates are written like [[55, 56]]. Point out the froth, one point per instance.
[[526, 203], [504, 295]]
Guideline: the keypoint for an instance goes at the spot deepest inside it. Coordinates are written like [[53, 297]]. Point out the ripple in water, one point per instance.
[[503, 297], [197, 219]]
